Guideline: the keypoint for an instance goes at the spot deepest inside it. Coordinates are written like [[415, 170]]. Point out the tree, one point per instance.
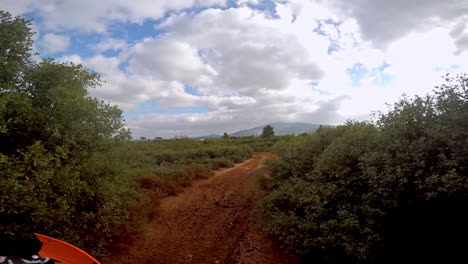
[[15, 49], [225, 135], [57, 170], [55, 109], [267, 132]]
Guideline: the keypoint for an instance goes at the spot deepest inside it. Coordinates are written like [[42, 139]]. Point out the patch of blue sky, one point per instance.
[[333, 47], [377, 74], [266, 6], [79, 45], [315, 87], [357, 73], [123, 65], [147, 107], [110, 53], [449, 69], [191, 90], [153, 107], [319, 30], [34, 16], [135, 32], [330, 21], [334, 44], [82, 44]]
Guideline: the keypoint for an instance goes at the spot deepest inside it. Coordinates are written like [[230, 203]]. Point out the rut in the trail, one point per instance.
[[208, 222]]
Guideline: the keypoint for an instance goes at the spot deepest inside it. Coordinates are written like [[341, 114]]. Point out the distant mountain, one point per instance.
[[280, 128]]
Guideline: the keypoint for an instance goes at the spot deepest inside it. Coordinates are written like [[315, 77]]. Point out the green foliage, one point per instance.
[[175, 159], [257, 144], [389, 192], [15, 50], [162, 168], [67, 168], [315, 176], [59, 174], [297, 155], [267, 132], [225, 135], [56, 111]]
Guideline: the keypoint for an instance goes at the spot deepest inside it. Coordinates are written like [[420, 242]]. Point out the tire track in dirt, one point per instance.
[[208, 222]]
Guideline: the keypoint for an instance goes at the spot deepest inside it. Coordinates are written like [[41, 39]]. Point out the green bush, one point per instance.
[[309, 202], [177, 159], [220, 163], [389, 192], [58, 173]]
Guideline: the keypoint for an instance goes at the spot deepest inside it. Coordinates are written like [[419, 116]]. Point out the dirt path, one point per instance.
[[209, 223]]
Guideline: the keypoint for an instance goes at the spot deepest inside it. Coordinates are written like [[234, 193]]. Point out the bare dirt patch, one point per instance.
[[208, 222]]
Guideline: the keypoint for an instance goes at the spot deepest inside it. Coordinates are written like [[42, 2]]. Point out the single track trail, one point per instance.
[[208, 222]]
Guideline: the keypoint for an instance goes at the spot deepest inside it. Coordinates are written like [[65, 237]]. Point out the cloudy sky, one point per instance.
[[198, 67]]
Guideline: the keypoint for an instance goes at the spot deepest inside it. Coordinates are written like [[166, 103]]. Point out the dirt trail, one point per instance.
[[209, 223]]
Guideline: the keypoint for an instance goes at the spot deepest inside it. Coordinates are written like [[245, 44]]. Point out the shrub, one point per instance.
[[56, 175], [80, 203], [389, 192], [220, 163], [158, 185]]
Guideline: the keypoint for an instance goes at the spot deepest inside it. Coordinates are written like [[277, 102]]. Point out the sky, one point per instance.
[[200, 67]]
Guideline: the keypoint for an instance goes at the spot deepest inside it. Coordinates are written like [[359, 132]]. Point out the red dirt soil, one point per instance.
[[209, 222]]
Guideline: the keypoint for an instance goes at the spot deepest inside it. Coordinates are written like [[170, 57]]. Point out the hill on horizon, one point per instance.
[[280, 128]]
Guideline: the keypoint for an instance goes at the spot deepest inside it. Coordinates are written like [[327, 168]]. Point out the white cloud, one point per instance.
[[248, 69], [110, 44], [211, 3], [232, 51], [460, 33], [168, 59], [253, 2], [94, 16], [383, 21], [16, 7], [53, 43]]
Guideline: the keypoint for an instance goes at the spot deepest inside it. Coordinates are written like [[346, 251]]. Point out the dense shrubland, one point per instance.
[[257, 144], [168, 165], [391, 191], [179, 161]]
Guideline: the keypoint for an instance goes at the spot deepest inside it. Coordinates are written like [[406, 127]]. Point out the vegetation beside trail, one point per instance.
[[57, 177], [167, 165], [67, 166], [161, 168], [391, 191]]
